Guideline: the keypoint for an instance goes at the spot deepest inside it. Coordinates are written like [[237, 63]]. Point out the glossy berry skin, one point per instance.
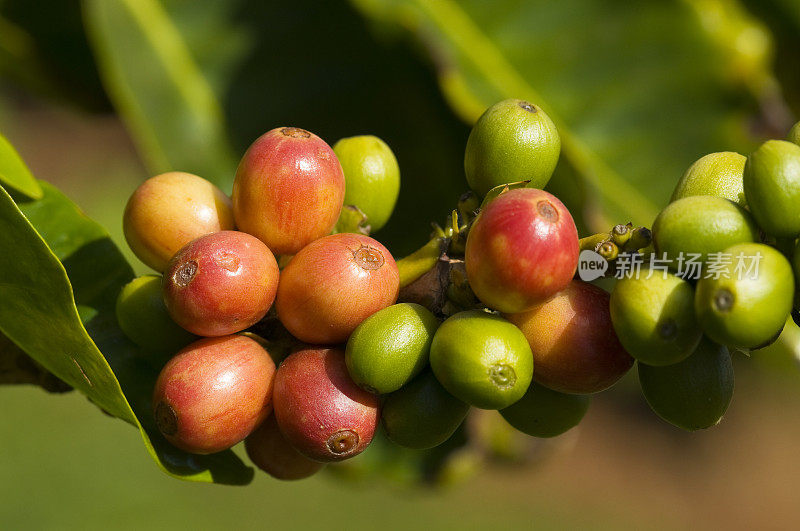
[[514, 140], [575, 349], [320, 409], [522, 249], [718, 174], [220, 283], [288, 190], [333, 284], [213, 393], [372, 176], [746, 308], [772, 187], [269, 450], [168, 211]]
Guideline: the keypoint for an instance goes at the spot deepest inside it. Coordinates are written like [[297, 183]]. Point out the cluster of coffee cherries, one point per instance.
[[721, 276], [300, 335]]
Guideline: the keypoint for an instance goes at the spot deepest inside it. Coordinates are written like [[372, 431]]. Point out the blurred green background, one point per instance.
[[99, 95]]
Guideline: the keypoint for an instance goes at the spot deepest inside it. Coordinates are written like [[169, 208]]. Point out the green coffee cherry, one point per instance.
[[143, 317], [701, 225], [546, 413], [746, 307], [482, 359], [772, 187], [654, 317], [372, 177], [390, 347], [692, 394], [422, 414], [512, 141], [717, 174], [794, 134]]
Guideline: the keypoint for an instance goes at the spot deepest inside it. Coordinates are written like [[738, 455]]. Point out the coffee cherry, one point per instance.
[[168, 211], [772, 187], [390, 347], [220, 283], [320, 409], [575, 349], [213, 393], [543, 412], [372, 177], [522, 249], [514, 140], [692, 394], [701, 225], [746, 308], [794, 134], [422, 414], [653, 316], [333, 284], [717, 174], [482, 359], [269, 450], [143, 318], [288, 189]]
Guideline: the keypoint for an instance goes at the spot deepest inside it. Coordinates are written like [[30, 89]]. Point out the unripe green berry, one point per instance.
[[372, 177], [772, 187], [717, 174], [514, 140]]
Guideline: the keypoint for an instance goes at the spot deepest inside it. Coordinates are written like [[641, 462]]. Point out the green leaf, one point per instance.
[[633, 87], [60, 277], [14, 173], [158, 89]]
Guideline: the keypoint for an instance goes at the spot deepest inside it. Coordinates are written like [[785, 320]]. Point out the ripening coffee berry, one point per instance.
[[320, 409], [288, 190], [220, 283], [514, 140], [213, 393], [333, 284], [168, 211], [522, 249], [575, 349], [269, 450]]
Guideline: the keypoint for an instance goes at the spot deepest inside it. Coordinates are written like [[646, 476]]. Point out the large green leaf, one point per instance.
[[14, 173], [158, 88], [59, 277], [635, 88]]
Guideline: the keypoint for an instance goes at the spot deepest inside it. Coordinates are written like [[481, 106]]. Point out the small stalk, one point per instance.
[[420, 261]]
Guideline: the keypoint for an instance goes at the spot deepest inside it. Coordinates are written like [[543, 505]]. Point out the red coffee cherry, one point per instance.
[[213, 393], [220, 284], [575, 348], [288, 189], [333, 284], [320, 409], [522, 249]]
